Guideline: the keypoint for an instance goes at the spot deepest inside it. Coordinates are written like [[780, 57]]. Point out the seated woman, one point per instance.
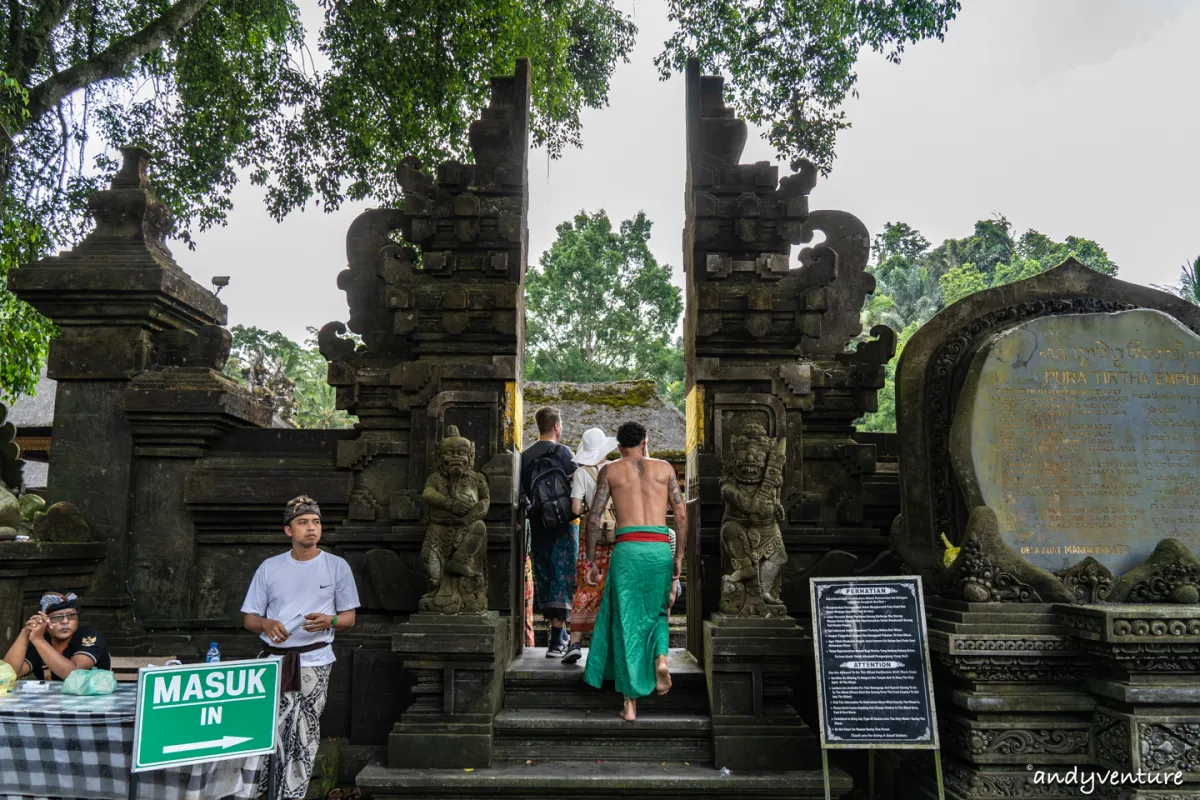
[[54, 642]]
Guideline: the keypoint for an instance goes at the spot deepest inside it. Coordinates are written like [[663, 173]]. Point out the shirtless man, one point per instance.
[[630, 640]]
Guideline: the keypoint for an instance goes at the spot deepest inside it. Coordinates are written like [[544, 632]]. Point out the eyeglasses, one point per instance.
[[62, 619]]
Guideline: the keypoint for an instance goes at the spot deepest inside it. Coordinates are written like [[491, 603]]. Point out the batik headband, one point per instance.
[[298, 507], [55, 601]]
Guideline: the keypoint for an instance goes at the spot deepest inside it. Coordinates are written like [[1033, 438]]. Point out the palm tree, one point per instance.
[[1189, 282], [915, 297]]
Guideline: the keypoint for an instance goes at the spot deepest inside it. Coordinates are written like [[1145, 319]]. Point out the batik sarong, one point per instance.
[[632, 628], [299, 734], [555, 552], [528, 601], [586, 605]]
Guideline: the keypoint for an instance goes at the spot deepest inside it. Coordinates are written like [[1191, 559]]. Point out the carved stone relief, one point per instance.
[[456, 540], [750, 534]]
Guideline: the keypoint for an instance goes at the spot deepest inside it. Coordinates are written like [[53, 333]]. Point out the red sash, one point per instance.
[[644, 536]]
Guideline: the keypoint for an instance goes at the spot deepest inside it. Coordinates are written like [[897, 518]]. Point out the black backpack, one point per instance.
[[549, 492]]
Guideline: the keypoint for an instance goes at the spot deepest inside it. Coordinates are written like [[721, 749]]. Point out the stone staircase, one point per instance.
[[556, 737], [550, 712]]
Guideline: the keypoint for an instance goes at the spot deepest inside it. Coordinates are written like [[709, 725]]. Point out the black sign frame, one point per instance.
[[905, 583], [912, 583]]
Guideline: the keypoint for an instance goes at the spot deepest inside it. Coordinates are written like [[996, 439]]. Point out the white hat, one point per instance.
[[594, 447]]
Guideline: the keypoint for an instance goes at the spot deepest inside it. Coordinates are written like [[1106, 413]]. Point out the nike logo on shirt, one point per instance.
[[326, 586]]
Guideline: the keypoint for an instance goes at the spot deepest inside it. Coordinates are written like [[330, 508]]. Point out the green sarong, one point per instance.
[[632, 627]]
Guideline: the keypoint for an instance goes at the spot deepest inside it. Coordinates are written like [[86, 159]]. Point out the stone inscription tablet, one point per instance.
[[1082, 433], [873, 674]]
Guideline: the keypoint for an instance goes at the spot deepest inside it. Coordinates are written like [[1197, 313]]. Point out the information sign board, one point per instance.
[[874, 684], [195, 713]]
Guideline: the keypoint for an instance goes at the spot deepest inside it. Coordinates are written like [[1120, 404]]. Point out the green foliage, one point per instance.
[[912, 295], [1047, 253], [1189, 282], [214, 87], [959, 282], [899, 239], [989, 245], [24, 333], [915, 281], [409, 77], [791, 64], [315, 400], [600, 308]]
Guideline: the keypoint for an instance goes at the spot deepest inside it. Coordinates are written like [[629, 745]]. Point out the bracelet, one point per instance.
[[333, 624]]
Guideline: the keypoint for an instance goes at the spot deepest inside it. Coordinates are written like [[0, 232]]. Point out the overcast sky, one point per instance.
[[1073, 117]]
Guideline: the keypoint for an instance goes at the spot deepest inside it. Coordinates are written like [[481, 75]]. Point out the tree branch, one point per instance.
[[49, 16], [16, 36], [110, 62]]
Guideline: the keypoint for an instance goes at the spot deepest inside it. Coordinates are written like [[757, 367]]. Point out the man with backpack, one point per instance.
[[546, 470], [593, 449]]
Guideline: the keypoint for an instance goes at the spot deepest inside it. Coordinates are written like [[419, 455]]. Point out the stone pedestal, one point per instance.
[[117, 298], [749, 664], [458, 661], [29, 569], [1146, 687], [1009, 691]]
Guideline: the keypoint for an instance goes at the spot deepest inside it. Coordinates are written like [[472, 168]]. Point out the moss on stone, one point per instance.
[[326, 767], [619, 395]]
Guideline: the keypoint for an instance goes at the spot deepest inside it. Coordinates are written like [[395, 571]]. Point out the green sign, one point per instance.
[[205, 712]]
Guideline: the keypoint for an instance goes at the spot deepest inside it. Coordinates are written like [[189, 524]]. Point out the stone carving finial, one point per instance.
[[456, 540], [133, 173], [750, 534], [129, 208]]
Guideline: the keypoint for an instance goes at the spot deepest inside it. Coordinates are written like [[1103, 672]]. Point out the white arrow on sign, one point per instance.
[[224, 743]]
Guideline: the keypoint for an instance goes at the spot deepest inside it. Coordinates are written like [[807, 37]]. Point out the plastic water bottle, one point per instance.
[[213, 655]]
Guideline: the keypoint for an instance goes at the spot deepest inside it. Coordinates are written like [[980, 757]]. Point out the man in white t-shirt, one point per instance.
[[300, 598]]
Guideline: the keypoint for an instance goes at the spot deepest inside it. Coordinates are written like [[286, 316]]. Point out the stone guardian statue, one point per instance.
[[456, 540], [750, 535]]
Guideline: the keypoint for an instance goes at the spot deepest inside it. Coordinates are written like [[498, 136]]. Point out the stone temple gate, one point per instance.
[[182, 480]]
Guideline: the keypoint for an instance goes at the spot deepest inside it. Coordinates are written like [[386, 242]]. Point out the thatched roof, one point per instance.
[[606, 406], [35, 410]]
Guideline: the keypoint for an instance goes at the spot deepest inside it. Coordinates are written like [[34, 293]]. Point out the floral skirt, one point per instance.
[[587, 601], [528, 601]]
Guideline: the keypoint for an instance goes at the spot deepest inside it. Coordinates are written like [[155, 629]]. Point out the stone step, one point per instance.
[[533, 681], [964, 611], [678, 630], [601, 735], [607, 781], [1034, 628]]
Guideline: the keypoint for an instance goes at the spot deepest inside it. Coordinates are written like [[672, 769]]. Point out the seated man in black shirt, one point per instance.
[[53, 641]]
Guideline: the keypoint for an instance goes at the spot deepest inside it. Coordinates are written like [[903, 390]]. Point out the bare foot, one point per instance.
[[629, 712], [662, 673]]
